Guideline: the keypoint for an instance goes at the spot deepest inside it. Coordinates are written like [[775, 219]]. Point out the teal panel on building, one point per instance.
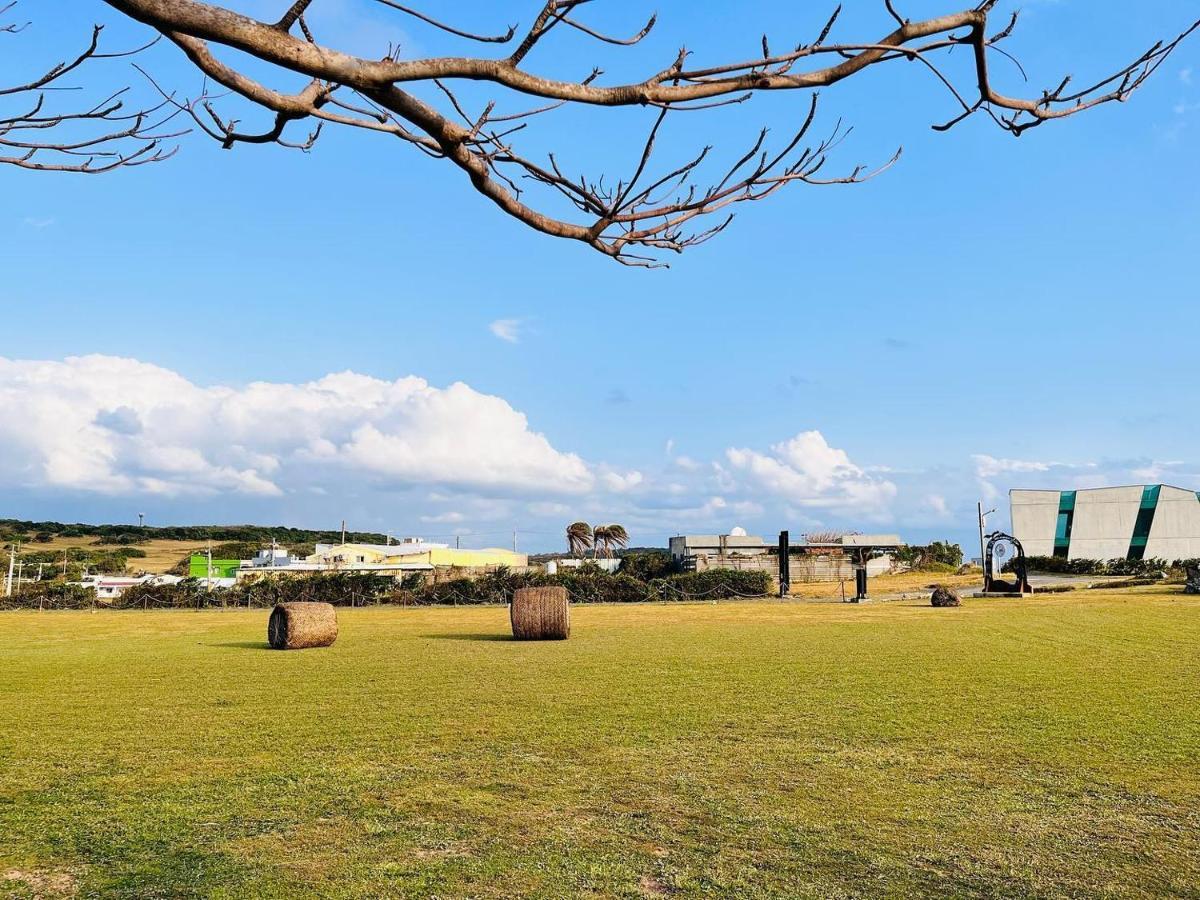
[[1066, 518], [1145, 521]]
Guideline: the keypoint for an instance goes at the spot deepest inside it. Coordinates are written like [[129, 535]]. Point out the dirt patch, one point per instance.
[[44, 883], [652, 887]]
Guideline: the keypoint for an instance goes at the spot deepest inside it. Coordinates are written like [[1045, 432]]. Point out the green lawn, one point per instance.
[[1014, 748]]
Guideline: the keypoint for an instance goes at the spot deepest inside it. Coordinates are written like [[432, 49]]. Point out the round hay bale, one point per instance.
[[944, 596], [541, 614], [295, 626]]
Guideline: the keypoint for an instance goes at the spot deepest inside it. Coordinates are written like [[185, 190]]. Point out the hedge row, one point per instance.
[[1056, 565], [346, 589], [132, 534]]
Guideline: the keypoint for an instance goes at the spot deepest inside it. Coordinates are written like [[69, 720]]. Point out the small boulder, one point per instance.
[[944, 596]]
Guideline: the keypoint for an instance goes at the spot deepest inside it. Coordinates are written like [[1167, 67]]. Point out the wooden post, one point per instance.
[[785, 568]]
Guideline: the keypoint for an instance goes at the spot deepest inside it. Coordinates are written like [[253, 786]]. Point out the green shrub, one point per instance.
[[715, 584], [1056, 565], [50, 595], [925, 559], [647, 565]]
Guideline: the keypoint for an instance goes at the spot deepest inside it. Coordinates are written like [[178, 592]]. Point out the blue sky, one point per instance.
[[991, 313]]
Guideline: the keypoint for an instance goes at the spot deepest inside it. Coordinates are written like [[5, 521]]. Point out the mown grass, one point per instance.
[[1046, 746]]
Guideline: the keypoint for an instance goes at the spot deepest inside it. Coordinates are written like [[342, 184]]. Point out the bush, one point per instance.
[[184, 595], [931, 557], [338, 588], [647, 565], [127, 538], [604, 588], [50, 595], [1056, 565], [716, 584]]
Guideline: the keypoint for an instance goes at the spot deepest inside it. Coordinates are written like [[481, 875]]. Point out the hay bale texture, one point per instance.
[[944, 596], [541, 614], [295, 626]]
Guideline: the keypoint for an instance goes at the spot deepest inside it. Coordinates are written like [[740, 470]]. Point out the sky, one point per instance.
[[274, 336]]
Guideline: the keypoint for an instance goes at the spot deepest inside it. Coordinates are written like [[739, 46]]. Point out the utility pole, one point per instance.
[[210, 567], [141, 520], [514, 542], [20, 575], [343, 532], [982, 552], [458, 542], [12, 558]]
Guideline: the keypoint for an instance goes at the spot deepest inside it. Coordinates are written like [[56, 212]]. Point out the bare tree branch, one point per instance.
[[637, 218], [102, 137]]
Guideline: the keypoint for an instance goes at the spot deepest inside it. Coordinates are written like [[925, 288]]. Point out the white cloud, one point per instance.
[[687, 463], [507, 330], [106, 425], [937, 503], [1185, 75], [989, 466], [543, 509], [807, 472], [619, 483], [448, 518]]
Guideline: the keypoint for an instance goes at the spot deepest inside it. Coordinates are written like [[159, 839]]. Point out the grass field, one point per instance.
[[161, 555], [1047, 746]]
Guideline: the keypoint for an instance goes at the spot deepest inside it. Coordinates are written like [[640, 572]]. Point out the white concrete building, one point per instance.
[[1139, 522], [810, 561], [111, 587]]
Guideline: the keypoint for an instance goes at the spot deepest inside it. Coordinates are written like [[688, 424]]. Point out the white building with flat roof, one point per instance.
[[1154, 521]]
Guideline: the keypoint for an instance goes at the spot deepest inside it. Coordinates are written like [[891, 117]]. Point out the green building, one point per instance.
[[221, 568]]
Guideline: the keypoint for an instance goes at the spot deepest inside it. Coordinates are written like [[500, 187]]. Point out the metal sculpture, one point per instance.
[[993, 585]]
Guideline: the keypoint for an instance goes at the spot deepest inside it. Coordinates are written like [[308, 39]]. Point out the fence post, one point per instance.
[[785, 566]]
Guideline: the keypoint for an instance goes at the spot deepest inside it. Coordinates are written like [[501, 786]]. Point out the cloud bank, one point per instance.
[[96, 433], [114, 426]]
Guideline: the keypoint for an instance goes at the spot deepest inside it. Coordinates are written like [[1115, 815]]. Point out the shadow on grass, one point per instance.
[[244, 645], [458, 636]]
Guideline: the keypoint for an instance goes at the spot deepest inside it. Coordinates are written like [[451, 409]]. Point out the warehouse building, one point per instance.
[[1155, 521]]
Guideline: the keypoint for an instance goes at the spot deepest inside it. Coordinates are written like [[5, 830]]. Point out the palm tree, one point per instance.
[[607, 537], [579, 538]]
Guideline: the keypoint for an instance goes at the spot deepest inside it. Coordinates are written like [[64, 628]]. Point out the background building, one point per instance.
[[399, 559], [1139, 522], [830, 560]]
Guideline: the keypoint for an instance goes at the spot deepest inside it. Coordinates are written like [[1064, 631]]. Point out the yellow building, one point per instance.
[[411, 555]]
